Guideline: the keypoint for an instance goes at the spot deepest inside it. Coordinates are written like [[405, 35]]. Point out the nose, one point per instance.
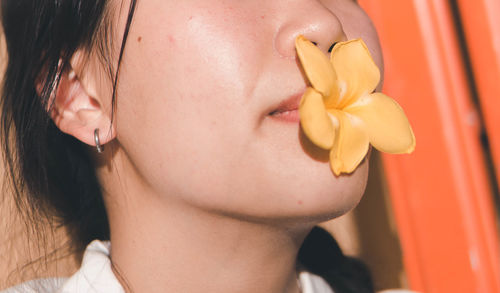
[[311, 19]]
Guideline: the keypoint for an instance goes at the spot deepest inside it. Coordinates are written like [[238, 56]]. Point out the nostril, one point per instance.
[[331, 47]]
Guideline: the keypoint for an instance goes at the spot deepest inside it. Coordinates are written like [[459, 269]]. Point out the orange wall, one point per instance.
[[441, 194]]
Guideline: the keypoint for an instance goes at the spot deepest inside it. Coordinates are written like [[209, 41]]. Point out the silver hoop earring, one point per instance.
[[100, 148]]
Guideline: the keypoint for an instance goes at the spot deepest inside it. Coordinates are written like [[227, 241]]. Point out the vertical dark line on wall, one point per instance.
[[476, 100]]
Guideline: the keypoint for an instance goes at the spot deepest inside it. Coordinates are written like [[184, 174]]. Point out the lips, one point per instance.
[[288, 110]]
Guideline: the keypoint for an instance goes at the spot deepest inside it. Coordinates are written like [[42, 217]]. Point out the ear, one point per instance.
[[78, 110]]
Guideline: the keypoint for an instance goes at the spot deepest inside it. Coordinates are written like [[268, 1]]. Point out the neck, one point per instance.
[[172, 247]]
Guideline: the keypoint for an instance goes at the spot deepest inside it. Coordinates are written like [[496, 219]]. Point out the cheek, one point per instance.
[[187, 83], [201, 60]]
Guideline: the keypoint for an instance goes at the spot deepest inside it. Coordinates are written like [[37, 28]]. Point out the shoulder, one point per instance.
[[38, 286], [312, 283], [95, 275]]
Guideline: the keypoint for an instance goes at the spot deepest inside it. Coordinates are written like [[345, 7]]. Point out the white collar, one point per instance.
[[96, 275]]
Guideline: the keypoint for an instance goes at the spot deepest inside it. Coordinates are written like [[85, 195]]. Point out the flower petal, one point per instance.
[[315, 121], [386, 123], [317, 68], [351, 144], [355, 70]]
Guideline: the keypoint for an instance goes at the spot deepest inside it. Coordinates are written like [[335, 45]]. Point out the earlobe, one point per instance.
[[78, 111]]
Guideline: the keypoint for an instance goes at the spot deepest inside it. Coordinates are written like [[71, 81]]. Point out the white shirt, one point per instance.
[[96, 276]]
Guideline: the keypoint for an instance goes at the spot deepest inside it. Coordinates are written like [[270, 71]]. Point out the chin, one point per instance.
[[333, 196], [314, 196]]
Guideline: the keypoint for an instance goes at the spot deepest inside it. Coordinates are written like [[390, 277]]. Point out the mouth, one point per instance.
[[287, 110]]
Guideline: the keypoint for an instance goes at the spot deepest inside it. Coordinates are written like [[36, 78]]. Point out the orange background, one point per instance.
[[443, 66]]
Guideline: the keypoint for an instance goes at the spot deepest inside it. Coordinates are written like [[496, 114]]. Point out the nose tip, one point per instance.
[[319, 25]]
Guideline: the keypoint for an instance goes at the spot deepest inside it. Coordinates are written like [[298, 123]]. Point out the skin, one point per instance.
[[201, 182]]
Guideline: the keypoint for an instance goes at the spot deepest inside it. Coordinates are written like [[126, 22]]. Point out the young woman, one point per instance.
[[170, 128]]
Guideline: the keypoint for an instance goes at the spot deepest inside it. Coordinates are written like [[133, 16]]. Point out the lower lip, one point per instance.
[[291, 116]]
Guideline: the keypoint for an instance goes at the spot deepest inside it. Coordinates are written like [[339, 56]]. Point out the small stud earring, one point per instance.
[[100, 148]]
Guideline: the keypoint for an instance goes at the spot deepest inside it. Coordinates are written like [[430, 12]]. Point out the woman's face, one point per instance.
[[200, 118]]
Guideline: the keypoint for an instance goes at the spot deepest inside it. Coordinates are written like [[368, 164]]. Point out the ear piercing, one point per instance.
[[100, 148]]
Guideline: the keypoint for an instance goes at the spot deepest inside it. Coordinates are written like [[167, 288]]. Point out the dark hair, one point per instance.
[[320, 254], [51, 173]]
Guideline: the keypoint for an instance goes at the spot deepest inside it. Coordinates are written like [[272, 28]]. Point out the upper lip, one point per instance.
[[289, 104]]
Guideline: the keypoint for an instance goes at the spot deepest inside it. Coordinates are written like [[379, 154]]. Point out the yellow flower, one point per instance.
[[340, 111]]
